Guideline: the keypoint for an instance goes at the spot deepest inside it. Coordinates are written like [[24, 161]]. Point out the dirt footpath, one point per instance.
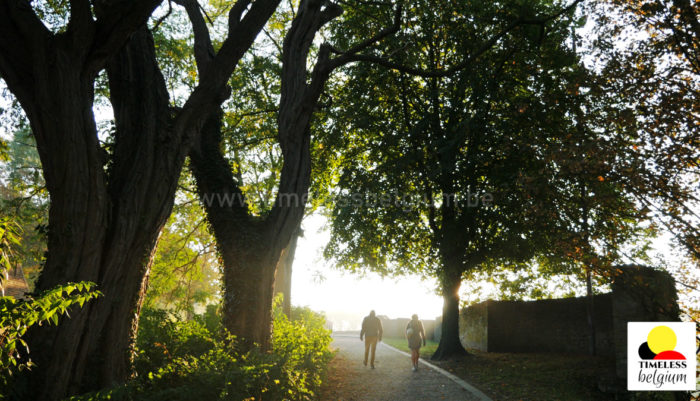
[[392, 380]]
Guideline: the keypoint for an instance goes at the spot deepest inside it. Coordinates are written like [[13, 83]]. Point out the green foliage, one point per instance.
[[185, 266], [401, 343], [22, 243], [528, 282], [24, 197], [302, 345], [17, 316], [250, 118], [162, 338], [193, 360], [9, 238], [523, 123], [417, 157]]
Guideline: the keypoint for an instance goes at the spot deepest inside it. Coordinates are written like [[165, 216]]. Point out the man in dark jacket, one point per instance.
[[372, 332]]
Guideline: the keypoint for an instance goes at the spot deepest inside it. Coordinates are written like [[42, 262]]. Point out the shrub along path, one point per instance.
[[393, 379]]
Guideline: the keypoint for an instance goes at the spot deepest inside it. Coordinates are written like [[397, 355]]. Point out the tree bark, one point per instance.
[[248, 302], [450, 345], [246, 243], [283, 274], [239, 237], [250, 246], [92, 234], [452, 239]]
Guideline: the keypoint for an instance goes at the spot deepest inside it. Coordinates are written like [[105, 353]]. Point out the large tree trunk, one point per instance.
[[450, 345], [452, 238], [102, 227], [96, 233], [283, 273], [248, 302]]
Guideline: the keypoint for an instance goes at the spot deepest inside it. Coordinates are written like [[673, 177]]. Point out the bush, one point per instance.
[[178, 360], [302, 344], [163, 338], [18, 315]]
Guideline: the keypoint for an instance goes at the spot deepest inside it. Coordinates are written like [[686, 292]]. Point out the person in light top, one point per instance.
[[415, 334]]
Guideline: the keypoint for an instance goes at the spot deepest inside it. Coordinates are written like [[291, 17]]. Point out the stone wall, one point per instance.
[[473, 324], [560, 325], [552, 325]]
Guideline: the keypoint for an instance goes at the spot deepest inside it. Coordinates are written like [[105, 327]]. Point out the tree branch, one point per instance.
[[234, 16], [21, 35], [80, 17], [274, 42], [203, 48], [298, 102], [115, 24], [379, 60], [164, 17], [347, 56], [212, 83], [24, 20]]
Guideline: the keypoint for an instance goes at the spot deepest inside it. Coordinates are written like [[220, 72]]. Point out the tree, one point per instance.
[[107, 205], [631, 163], [250, 245], [673, 26], [647, 52], [283, 273], [437, 174], [595, 221]]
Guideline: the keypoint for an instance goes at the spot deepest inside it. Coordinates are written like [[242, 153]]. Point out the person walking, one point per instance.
[[415, 334], [372, 332]]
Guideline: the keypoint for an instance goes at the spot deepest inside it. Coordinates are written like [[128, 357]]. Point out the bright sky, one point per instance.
[[346, 298]]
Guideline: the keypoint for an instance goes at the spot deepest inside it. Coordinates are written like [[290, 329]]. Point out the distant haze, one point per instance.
[[347, 298]]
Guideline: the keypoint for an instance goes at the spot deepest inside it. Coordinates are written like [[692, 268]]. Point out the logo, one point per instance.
[[661, 356]]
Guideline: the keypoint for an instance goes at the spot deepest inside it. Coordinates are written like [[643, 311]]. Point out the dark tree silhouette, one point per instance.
[[107, 209]]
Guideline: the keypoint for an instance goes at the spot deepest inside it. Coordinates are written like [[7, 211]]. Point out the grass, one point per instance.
[[537, 377], [401, 343], [534, 376]]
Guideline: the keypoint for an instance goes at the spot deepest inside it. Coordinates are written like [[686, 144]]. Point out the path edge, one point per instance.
[[473, 390]]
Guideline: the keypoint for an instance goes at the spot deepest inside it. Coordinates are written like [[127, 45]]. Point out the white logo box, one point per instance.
[[661, 375]]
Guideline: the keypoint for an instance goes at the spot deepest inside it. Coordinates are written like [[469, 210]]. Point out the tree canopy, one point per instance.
[[448, 139]]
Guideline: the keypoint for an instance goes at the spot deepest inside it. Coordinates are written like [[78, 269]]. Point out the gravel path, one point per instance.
[[392, 380]]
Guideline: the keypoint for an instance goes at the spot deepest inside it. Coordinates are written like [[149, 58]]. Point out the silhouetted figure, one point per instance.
[[372, 332], [415, 334]]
